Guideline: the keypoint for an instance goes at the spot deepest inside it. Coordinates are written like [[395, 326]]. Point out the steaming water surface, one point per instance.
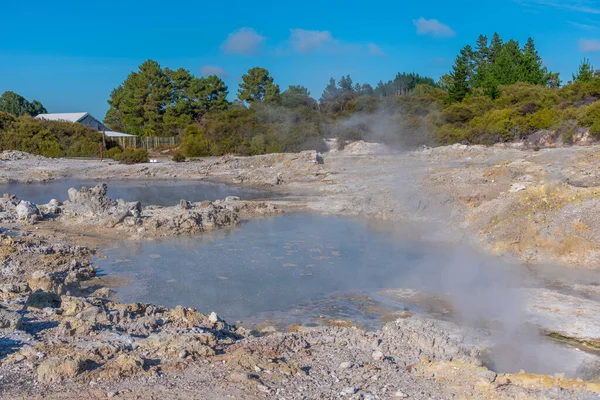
[[265, 267], [300, 268], [161, 193]]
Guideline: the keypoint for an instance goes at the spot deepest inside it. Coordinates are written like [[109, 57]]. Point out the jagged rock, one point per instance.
[[42, 300], [92, 314], [184, 204], [42, 281], [72, 306], [10, 320], [125, 365], [99, 208], [170, 345], [57, 369], [26, 210]]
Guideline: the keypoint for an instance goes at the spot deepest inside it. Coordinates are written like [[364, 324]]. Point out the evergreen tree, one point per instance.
[[481, 58], [366, 90], [585, 71], [507, 66], [532, 70], [346, 84], [495, 47], [258, 85], [18, 105], [331, 91], [459, 84]]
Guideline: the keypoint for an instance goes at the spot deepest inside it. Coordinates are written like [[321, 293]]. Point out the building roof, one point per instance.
[[68, 117], [117, 134]]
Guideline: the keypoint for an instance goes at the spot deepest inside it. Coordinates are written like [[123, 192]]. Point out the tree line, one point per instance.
[[496, 91]]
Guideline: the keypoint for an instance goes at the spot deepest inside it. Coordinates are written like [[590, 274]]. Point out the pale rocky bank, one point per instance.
[[62, 336]]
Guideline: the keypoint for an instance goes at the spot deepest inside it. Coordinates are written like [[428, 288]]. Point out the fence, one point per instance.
[[143, 142]]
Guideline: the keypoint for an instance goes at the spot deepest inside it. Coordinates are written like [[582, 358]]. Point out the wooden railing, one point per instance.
[[144, 142]]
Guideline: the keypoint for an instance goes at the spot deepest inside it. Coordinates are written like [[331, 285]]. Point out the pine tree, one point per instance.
[[331, 91], [481, 58], [585, 72], [459, 84], [532, 70], [495, 47]]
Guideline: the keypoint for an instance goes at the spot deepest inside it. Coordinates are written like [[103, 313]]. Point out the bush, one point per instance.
[[458, 113], [113, 152], [178, 157], [566, 129], [595, 129], [48, 138], [132, 156]]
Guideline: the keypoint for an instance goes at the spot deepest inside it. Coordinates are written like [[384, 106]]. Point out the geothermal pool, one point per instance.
[[302, 265], [308, 269], [161, 193]]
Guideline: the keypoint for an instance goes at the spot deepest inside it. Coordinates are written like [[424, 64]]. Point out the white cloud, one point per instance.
[[243, 41], [582, 6], [584, 26], [589, 46], [433, 27], [304, 41], [375, 50], [207, 70]]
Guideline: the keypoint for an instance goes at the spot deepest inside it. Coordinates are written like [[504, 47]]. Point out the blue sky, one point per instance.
[[70, 54]]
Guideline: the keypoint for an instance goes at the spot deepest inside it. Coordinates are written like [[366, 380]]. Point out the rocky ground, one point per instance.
[[61, 338]]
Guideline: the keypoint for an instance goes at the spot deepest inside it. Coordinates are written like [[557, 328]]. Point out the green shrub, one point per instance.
[[113, 152], [595, 129], [129, 156], [178, 157], [589, 114], [194, 144], [458, 113], [48, 138], [566, 129]]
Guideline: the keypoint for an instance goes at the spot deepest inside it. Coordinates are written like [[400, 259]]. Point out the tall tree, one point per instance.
[[507, 65], [141, 101], [345, 84], [481, 58], [532, 70], [459, 84], [585, 71], [258, 85], [156, 101], [297, 96], [18, 105], [331, 91], [495, 47]]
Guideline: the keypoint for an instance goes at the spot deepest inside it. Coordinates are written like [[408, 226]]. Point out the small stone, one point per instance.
[[42, 300], [369, 396], [57, 369], [213, 317], [348, 390], [377, 355], [345, 365], [263, 388], [10, 320], [401, 395], [257, 368], [111, 394], [183, 354]]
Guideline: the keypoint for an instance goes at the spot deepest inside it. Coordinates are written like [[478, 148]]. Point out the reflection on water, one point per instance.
[[289, 264], [161, 193]]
